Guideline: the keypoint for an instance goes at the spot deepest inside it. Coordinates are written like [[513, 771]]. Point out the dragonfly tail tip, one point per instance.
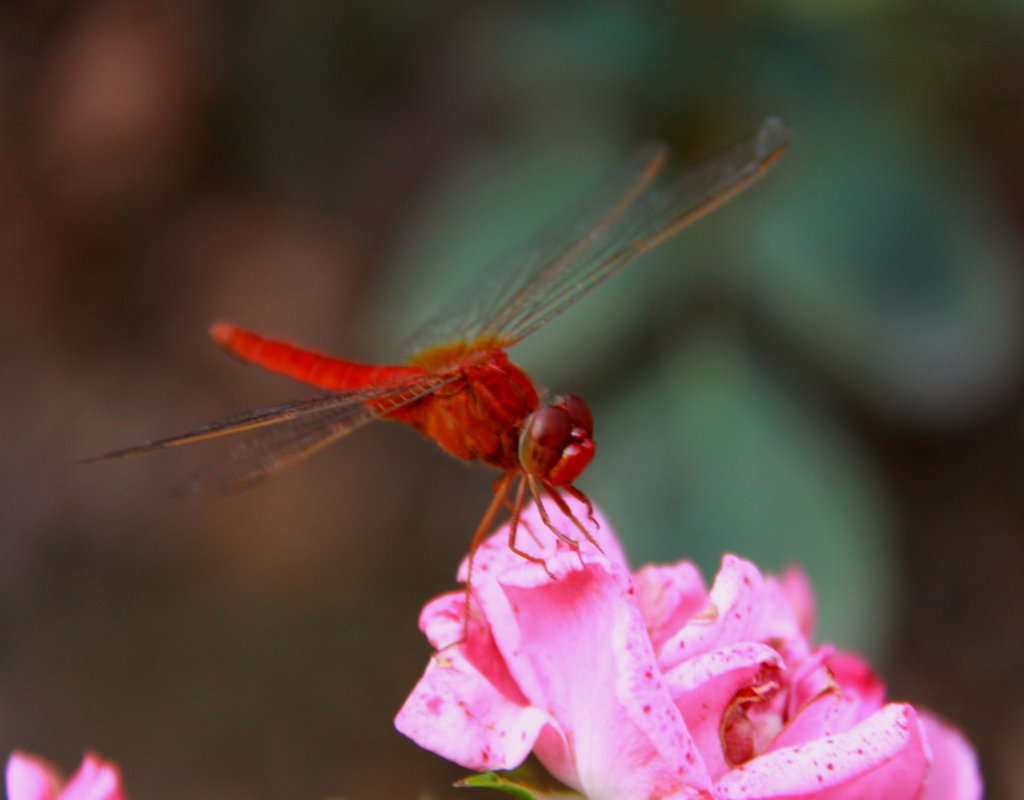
[[773, 135]]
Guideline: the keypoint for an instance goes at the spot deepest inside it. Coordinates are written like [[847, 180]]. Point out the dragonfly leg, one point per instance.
[[572, 490], [501, 487], [535, 491], [513, 529], [564, 507], [514, 508]]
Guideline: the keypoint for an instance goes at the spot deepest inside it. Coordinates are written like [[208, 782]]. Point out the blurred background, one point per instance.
[[827, 371]]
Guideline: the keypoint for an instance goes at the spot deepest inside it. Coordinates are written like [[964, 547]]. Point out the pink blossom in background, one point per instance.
[[31, 778], [649, 685]]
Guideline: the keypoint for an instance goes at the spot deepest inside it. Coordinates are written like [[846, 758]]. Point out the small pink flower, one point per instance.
[[31, 778], [651, 686]]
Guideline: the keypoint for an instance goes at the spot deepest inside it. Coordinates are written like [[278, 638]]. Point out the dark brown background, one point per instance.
[[827, 372]]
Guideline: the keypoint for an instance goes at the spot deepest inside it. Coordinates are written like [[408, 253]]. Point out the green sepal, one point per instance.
[[528, 782]]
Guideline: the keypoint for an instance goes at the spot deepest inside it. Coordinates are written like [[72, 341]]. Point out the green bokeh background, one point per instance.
[[826, 372]]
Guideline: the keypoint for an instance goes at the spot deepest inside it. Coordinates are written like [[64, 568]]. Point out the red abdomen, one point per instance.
[[333, 374], [476, 416]]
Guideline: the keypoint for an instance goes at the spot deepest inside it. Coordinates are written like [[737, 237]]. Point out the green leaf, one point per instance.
[[718, 452], [879, 258], [494, 780], [528, 782]]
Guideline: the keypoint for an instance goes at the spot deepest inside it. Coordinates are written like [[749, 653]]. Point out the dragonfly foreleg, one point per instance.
[[513, 529], [501, 487], [564, 508], [573, 491], [535, 491]]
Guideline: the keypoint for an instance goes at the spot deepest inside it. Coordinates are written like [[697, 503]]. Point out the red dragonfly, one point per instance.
[[458, 386]]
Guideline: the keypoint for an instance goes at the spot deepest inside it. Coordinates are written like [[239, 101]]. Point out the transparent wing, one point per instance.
[[265, 450], [654, 216], [466, 313], [623, 218], [271, 439]]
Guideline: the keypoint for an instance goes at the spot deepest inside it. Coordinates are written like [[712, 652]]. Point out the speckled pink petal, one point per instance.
[[727, 618], [827, 713], [96, 779], [668, 596], [595, 667], [31, 778], [830, 693], [885, 756], [688, 793], [494, 557], [778, 621], [955, 774], [798, 589], [705, 686], [458, 714], [809, 678], [858, 682], [652, 687], [508, 569], [441, 619]]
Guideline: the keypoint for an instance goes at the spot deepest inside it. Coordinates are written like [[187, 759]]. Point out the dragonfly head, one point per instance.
[[556, 441]]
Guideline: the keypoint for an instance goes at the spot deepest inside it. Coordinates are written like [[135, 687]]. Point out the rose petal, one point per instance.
[[96, 779], [730, 612], [778, 619], [830, 692], [798, 589], [494, 556], [31, 778], [955, 774], [659, 689], [596, 670], [884, 756], [858, 683], [669, 596], [706, 686], [825, 714], [458, 714], [441, 619]]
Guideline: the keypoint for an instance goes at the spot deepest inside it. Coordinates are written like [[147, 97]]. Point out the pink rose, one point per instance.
[[650, 686], [32, 778]]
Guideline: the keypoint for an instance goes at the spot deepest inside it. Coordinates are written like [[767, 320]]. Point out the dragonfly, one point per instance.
[[457, 385]]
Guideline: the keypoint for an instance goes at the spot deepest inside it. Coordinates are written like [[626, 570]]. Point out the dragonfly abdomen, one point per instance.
[[302, 364]]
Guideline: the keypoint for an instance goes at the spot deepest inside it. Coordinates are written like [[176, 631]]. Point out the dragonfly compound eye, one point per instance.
[[556, 441], [545, 434], [579, 413]]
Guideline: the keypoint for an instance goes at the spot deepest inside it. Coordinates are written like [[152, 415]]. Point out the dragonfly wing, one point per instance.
[[226, 426], [625, 216], [655, 215], [465, 315], [304, 428], [266, 449], [270, 439]]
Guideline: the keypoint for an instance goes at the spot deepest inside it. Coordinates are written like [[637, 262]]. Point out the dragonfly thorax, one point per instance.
[[478, 415], [492, 413]]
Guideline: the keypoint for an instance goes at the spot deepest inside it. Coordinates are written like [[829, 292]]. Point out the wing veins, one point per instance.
[[653, 217], [496, 287], [270, 449], [281, 435]]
